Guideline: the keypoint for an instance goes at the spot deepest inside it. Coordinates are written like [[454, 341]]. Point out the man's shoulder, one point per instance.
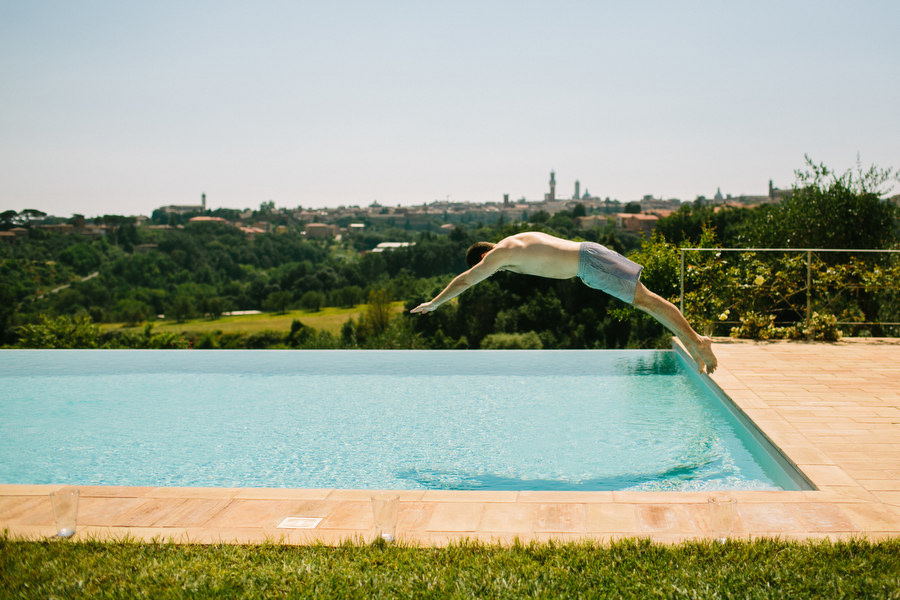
[[526, 238]]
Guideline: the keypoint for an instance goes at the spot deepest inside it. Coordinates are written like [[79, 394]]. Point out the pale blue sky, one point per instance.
[[120, 107]]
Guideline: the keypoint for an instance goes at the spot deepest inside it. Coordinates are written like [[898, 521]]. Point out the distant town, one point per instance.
[[439, 216]]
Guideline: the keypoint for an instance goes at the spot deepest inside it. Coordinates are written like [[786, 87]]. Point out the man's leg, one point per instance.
[[666, 313]]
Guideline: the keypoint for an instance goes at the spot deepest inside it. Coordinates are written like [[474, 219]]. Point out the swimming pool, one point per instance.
[[488, 420]]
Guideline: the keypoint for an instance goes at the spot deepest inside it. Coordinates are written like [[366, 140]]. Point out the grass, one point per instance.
[[328, 319], [625, 569]]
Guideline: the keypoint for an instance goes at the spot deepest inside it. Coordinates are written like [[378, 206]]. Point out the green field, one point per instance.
[[328, 319]]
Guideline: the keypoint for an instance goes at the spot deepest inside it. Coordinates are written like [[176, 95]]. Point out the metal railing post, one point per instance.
[[681, 250], [809, 292]]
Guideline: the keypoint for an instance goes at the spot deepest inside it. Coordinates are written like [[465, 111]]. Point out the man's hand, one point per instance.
[[424, 308]]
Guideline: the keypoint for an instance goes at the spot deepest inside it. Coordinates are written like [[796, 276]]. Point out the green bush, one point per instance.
[[59, 332], [512, 341]]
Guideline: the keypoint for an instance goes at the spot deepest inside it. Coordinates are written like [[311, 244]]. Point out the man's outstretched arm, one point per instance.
[[490, 264]]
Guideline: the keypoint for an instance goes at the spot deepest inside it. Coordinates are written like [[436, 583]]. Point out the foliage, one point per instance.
[[755, 326], [60, 332], [827, 210], [207, 269], [378, 313], [685, 226], [512, 341], [624, 569]]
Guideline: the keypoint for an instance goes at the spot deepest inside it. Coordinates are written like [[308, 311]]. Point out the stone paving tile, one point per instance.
[[611, 518], [367, 495], [414, 516], [25, 510], [177, 492], [558, 517], [888, 497], [818, 517], [356, 516], [762, 518], [504, 517], [661, 518], [281, 494], [268, 513], [102, 511], [469, 496], [553, 496], [455, 516]]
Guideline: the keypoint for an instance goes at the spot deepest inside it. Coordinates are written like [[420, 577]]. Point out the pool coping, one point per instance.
[[832, 409]]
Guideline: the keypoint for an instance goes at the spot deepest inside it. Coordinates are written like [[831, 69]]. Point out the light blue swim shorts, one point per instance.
[[608, 271]]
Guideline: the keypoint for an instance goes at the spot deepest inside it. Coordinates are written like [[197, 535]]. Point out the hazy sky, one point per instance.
[[121, 107]]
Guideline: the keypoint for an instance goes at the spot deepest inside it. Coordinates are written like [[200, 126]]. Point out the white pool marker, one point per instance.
[[300, 523]]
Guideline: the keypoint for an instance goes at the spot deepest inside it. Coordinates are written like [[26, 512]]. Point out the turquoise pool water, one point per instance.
[[496, 420]]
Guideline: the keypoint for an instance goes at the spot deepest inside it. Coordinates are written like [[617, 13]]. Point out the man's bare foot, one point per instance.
[[703, 355]]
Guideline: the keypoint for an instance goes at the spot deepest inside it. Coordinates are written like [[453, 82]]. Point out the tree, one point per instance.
[[312, 300], [378, 311], [278, 301], [8, 218], [32, 213], [60, 332], [827, 210], [181, 307]]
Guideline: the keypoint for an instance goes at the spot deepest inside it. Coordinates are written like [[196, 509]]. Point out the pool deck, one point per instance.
[[833, 410]]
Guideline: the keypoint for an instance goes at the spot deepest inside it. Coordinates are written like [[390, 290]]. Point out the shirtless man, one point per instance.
[[533, 253]]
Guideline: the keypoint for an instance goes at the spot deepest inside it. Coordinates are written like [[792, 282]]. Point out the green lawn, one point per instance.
[[627, 569], [328, 319]]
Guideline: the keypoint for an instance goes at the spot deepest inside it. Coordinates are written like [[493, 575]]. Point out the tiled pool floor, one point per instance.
[[834, 410]]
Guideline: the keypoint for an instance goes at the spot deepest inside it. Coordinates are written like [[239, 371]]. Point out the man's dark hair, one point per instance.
[[476, 251]]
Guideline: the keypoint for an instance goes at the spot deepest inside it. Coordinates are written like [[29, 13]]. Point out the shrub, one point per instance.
[[756, 326], [512, 341], [59, 332]]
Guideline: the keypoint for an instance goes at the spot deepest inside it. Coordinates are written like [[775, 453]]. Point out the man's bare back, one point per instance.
[[535, 253]]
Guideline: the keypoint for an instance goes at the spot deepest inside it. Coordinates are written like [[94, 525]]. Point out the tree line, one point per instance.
[[134, 275]]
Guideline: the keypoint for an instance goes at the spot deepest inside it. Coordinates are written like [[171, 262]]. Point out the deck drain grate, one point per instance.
[[300, 523]]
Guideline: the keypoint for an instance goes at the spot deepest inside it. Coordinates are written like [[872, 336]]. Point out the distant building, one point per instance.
[[551, 197], [208, 220], [592, 221], [391, 246], [251, 231], [651, 204], [186, 208], [320, 230], [57, 227], [636, 222], [777, 195]]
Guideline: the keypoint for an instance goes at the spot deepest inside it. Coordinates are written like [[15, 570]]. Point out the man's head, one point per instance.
[[476, 252]]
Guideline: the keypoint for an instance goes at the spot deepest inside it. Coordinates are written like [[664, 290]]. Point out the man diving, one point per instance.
[[534, 253]]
